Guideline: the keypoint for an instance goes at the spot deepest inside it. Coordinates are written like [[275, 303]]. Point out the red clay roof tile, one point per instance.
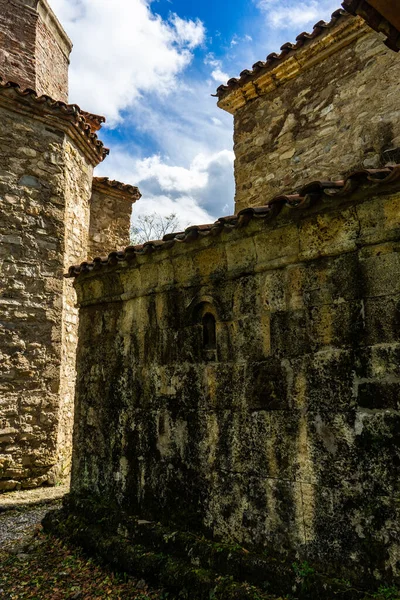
[[287, 49], [307, 195], [125, 189], [71, 112]]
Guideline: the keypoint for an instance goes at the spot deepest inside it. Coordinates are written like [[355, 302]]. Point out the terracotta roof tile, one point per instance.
[[302, 199], [70, 112], [130, 191], [95, 121], [288, 49]]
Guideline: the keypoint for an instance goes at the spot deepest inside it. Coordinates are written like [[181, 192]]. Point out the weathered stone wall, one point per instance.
[[77, 190], [110, 217], [340, 114], [17, 43], [45, 186], [53, 48], [285, 433], [34, 49]]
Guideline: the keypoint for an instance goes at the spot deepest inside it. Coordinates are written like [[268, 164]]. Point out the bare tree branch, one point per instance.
[[153, 227]]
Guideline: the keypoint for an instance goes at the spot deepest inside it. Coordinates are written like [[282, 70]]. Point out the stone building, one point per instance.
[[237, 404], [52, 212], [320, 109]]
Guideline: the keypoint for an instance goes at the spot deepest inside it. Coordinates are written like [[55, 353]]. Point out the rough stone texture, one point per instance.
[[34, 49], [285, 435], [339, 115], [77, 190], [47, 155], [110, 219], [45, 188]]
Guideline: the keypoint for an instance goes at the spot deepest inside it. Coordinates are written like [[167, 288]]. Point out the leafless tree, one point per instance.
[[153, 227]]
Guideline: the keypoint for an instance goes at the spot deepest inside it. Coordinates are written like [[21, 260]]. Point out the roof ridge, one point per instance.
[[303, 198], [63, 109], [273, 59], [126, 188]]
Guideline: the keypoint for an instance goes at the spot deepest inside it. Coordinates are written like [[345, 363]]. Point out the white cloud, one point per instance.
[[123, 50], [291, 13], [196, 194], [172, 178], [217, 73], [189, 32], [185, 208]]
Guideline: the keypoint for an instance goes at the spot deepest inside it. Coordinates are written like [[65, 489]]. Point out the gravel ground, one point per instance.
[[17, 526]]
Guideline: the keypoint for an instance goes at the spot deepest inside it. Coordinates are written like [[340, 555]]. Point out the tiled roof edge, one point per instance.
[[287, 49], [375, 20], [123, 189], [69, 112], [303, 198], [95, 121]]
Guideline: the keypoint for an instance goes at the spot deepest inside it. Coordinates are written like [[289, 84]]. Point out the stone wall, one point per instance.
[[337, 115], [53, 48], [17, 43], [77, 190], [34, 49], [110, 216], [45, 187], [277, 430]]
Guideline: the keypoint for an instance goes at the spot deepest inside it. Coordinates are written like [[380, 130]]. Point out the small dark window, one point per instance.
[[209, 332]]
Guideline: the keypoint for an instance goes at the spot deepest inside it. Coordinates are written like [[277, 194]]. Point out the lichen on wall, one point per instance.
[[282, 436]]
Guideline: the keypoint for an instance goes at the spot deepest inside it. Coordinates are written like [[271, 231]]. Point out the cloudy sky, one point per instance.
[[150, 68]]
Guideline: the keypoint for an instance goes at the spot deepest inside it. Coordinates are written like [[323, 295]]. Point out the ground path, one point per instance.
[[37, 566]]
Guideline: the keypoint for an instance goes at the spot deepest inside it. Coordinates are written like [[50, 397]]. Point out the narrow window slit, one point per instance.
[[209, 332]]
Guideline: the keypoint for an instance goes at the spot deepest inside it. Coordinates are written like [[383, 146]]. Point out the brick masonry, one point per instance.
[[34, 49]]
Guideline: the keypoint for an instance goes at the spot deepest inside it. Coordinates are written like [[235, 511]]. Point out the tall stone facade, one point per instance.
[[241, 381], [48, 151], [237, 400], [322, 108]]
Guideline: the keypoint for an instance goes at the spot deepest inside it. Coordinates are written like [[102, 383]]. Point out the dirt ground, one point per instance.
[[39, 567]]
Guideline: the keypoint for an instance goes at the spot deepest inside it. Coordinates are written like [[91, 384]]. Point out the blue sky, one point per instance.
[[151, 67]]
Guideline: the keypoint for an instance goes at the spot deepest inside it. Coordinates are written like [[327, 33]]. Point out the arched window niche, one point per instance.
[[203, 317]]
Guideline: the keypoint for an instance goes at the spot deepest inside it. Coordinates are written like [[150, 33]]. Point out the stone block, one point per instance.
[[380, 267], [329, 234]]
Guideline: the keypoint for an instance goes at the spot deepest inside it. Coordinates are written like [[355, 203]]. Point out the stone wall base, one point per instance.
[[189, 565]]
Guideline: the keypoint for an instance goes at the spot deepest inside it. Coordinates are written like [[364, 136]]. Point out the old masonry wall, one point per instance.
[[340, 115], [34, 49], [45, 188], [278, 428]]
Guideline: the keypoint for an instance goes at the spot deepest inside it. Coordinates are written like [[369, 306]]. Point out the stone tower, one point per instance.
[[301, 114], [34, 48], [49, 218]]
